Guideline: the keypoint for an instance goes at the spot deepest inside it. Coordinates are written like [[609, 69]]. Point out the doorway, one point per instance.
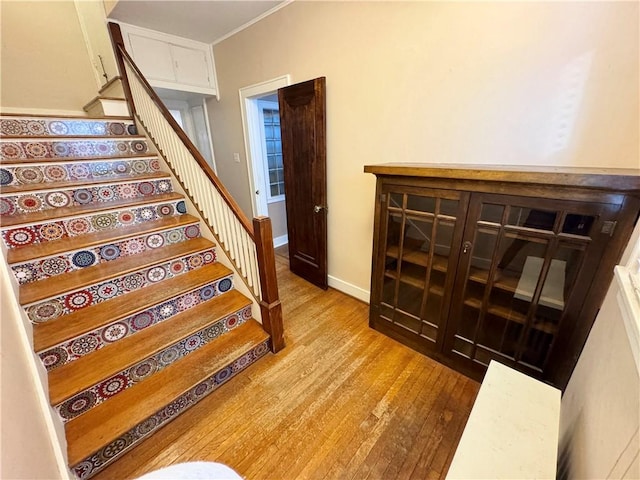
[[261, 126], [189, 110]]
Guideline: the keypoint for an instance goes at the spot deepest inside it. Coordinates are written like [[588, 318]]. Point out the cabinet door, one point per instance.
[[191, 66], [418, 245], [524, 271], [153, 57]]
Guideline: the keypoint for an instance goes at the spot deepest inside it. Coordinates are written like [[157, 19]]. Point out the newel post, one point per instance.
[[270, 306], [117, 42]]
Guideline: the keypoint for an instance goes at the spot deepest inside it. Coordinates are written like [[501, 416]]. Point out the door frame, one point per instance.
[[251, 129]]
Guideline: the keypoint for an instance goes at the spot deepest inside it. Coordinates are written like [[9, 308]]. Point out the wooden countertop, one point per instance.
[[618, 179]]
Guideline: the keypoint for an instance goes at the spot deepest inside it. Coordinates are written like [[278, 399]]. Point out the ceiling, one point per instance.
[[207, 21]]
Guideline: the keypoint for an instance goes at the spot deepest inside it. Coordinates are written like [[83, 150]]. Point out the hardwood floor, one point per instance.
[[340, 401]]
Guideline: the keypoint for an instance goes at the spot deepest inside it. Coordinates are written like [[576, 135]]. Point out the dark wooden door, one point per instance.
[[303, 125], [524, 274]]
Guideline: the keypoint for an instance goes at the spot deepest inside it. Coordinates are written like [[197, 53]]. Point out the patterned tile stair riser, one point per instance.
[[35, 127], [11, 175], [42, 268], [42, 149], [97, 339], [101, 392], [64, 304], [109, 453], [44, 232], [37, 202]]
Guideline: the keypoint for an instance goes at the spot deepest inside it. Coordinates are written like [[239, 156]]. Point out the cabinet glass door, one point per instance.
[[518, 272], [420, 230]]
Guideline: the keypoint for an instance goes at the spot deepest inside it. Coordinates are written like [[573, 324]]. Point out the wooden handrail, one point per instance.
[[122, 55], [253, 247]]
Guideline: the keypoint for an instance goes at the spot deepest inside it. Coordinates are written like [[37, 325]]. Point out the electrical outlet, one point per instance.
[[236, 157]]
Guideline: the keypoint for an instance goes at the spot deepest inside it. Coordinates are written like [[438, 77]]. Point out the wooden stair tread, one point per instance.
[[75, 324], [78, 279], [89, 208], [85, 182], [94, 429], [29, 161], [56, 247], [75, 377]]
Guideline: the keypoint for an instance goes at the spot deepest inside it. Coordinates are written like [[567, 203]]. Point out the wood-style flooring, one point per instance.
[[341, 401]]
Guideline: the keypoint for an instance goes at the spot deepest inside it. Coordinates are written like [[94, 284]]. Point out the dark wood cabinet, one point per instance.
[[475, 264]]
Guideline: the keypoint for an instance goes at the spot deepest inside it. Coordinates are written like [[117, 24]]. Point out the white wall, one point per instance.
[[600, 413], [45, 65], [31, 444], [548, 83]]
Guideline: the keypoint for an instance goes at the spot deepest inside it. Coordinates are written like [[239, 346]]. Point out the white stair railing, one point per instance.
[[235, 235], [248, 245]]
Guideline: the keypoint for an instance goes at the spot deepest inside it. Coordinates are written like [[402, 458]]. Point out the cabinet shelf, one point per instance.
[[512, 316], [503, 281], [418, 257], [415, 281]]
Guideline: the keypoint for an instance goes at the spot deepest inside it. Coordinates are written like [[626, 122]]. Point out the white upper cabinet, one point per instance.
[[172, 62]]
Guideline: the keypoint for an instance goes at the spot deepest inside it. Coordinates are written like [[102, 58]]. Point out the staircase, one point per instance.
[[133, 317]]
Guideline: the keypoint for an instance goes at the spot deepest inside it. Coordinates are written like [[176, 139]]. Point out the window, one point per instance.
[[273, 151]]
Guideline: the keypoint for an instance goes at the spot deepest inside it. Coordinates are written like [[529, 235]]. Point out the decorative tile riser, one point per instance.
[[42, 268], [53, 308], [74, 171], [101, 337], [37, 202], [95, 395], [116, 448], [45, 232], [37, 127], [34, 150]]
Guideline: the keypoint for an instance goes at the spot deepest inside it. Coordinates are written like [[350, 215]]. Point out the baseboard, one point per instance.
[[41, 111], [350, 289], [281, 240]]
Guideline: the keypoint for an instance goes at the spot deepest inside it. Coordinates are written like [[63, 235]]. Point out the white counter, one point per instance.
[[512, 432]]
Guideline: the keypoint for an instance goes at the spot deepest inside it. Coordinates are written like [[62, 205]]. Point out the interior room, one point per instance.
[[320, 239]]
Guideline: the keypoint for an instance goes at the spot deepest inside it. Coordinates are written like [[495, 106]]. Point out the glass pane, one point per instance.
[[279, 147], [268, 131], [578, 224], [417, 239], [421, 204], [449, 207], [530, 218], [272, 161], [395, 200], [492, 213], [271, 147], [274, 190], [394, 228], [279, 160], [388, 290], [410, 298], [273, 176]]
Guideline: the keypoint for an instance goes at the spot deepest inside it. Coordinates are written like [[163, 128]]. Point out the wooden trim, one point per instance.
[[123, 56], [270, 305], [616, 179]]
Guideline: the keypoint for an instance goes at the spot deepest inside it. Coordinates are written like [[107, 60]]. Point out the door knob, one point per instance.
[[317, 208], [257, 192], [466, 246]]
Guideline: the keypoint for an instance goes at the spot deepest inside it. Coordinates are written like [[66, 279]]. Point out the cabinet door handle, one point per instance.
[[466, 246]]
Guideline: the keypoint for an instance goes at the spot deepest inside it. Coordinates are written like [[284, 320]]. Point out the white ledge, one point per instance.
[[628, 298]]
